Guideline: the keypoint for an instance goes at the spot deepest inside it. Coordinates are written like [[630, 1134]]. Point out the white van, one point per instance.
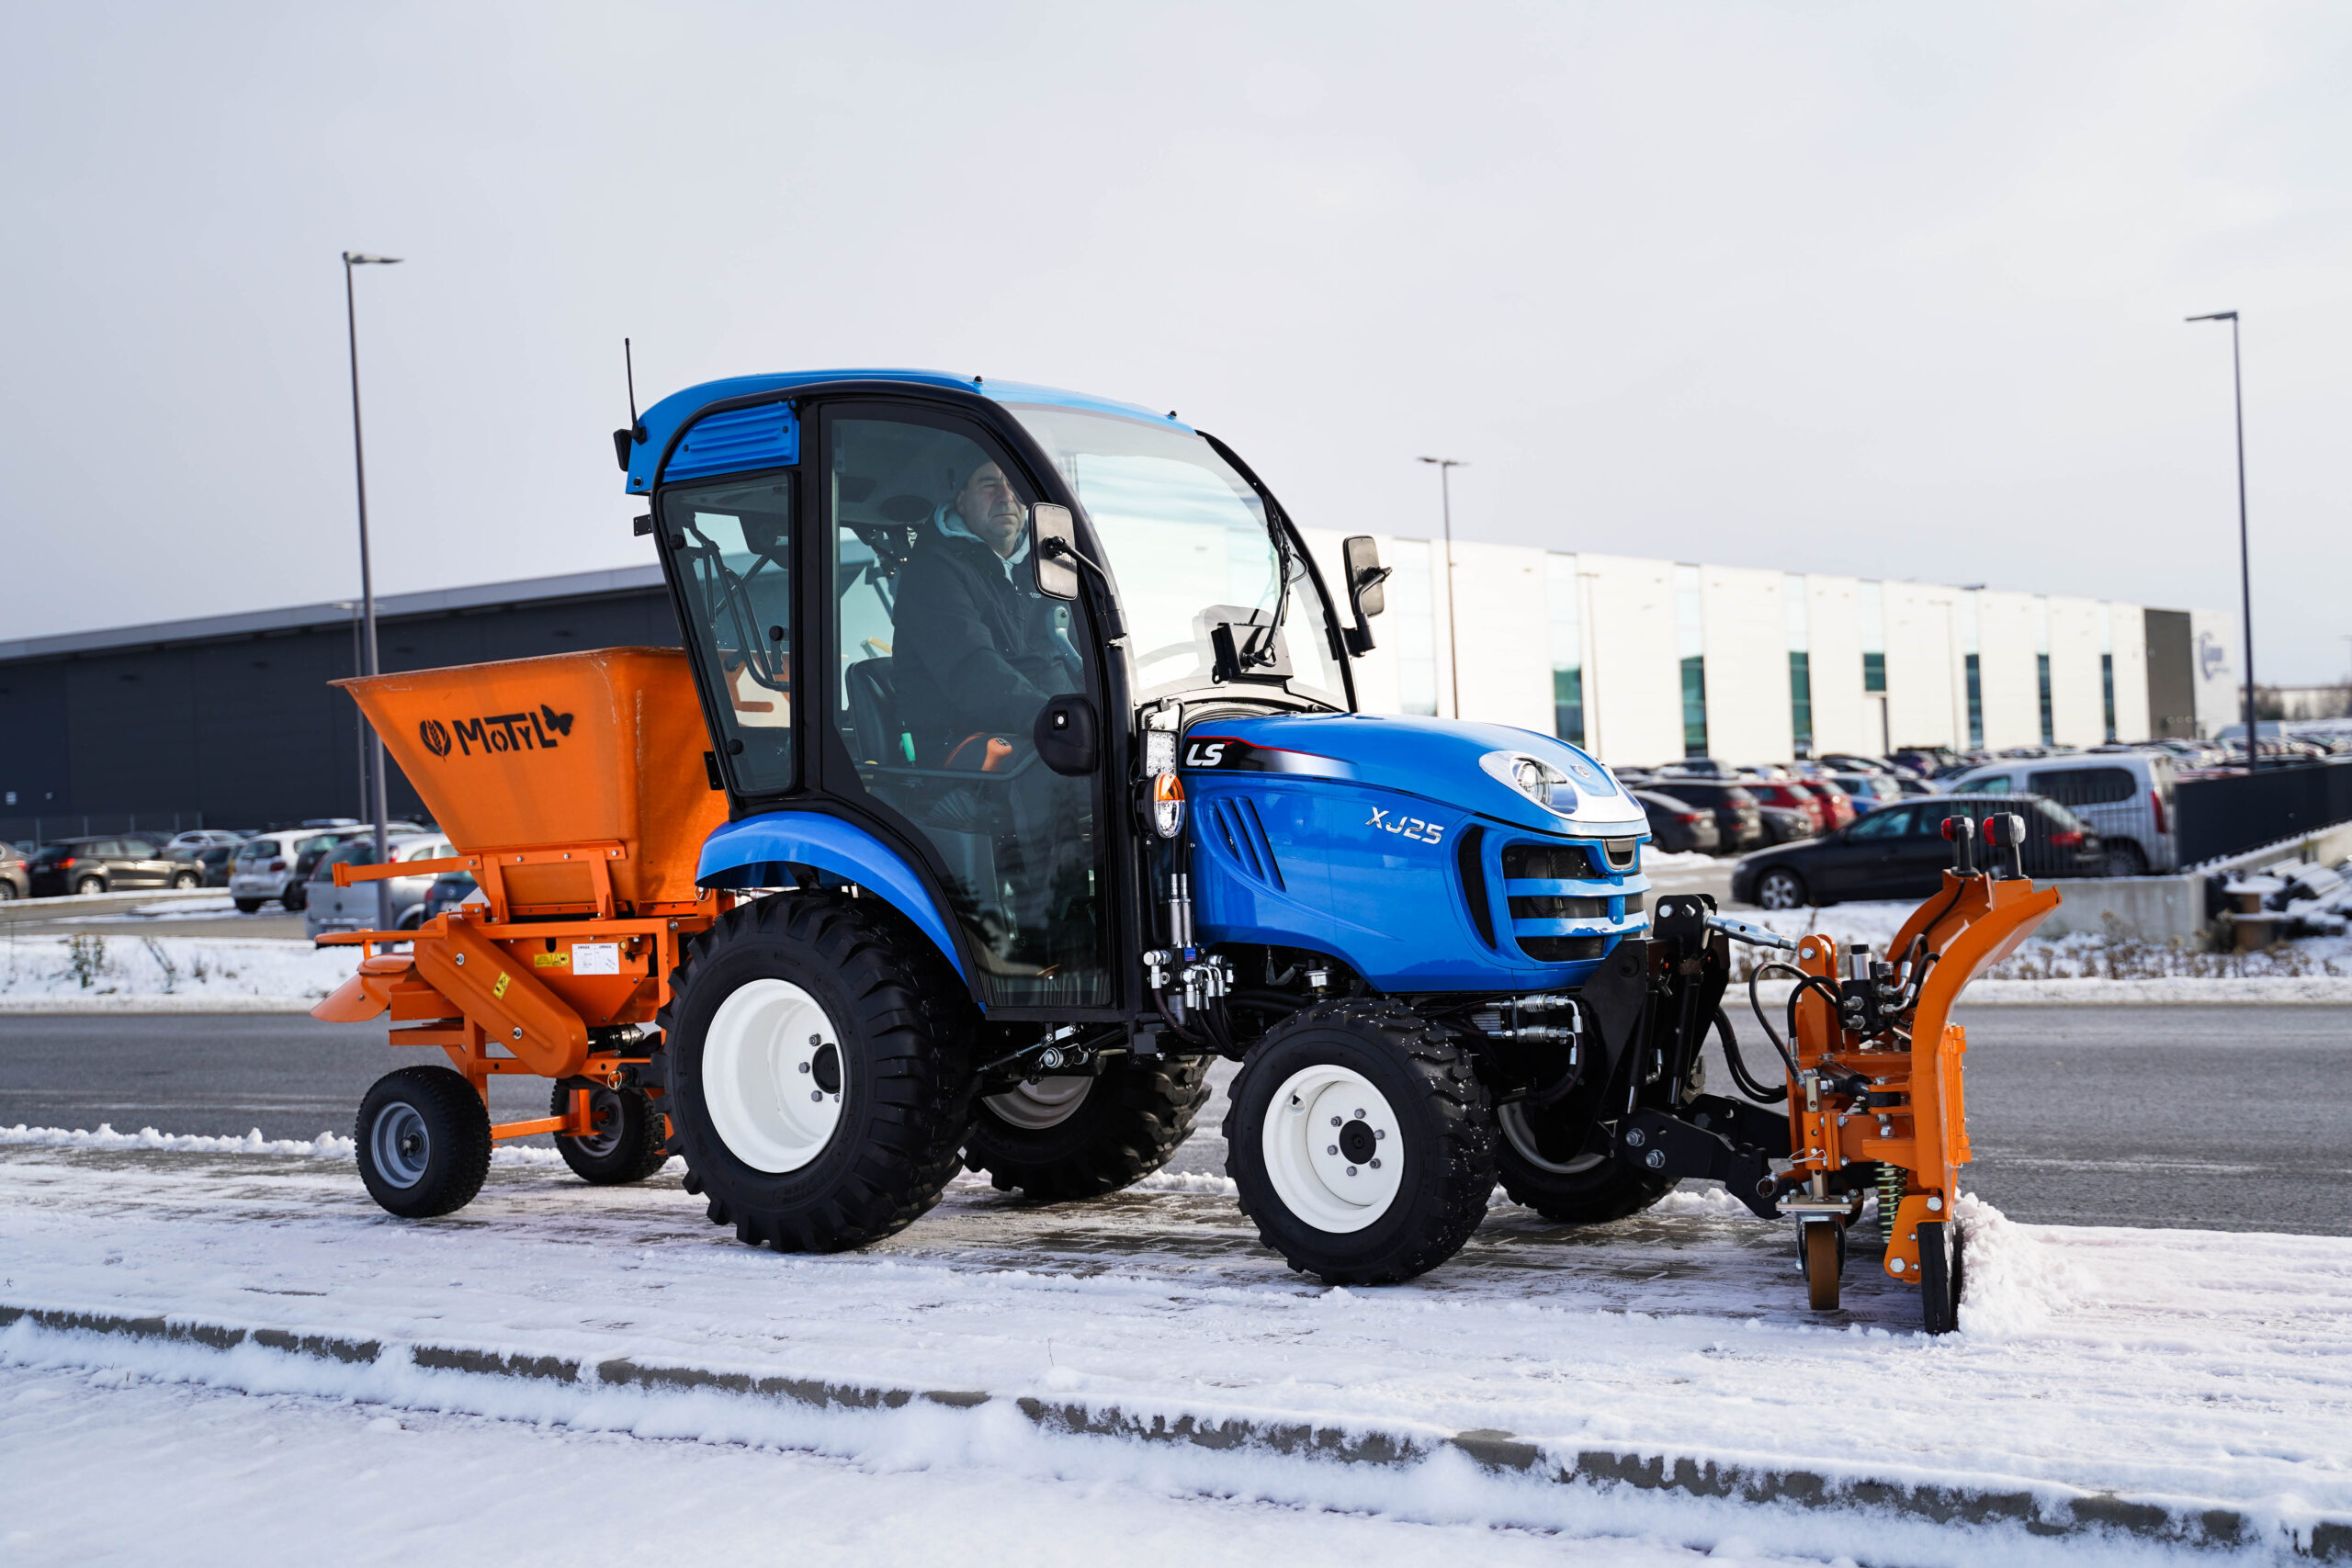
[[2126, 797], [332, 909]]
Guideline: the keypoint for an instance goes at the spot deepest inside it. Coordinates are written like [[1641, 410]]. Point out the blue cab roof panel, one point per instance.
[[663, 420]]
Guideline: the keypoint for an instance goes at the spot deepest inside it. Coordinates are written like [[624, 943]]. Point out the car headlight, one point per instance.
[[1534, 777]]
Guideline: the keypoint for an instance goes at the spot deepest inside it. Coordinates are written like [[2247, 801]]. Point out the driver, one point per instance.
[[977, 647]]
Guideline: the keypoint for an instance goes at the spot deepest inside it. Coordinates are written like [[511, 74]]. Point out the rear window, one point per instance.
[[2085, 787], [2062, 818]]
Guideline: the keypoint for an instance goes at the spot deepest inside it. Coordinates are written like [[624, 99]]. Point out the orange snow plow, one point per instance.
[[574, 788], [1877, 1095]]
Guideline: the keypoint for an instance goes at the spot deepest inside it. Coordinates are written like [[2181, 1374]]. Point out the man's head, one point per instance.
[[991, 510]]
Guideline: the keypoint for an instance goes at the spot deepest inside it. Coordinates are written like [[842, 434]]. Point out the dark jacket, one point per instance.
[[974, 651]]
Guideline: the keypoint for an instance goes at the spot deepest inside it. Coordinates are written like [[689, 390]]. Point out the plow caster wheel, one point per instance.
[[1939, 1275], [1063, 1138], [1361, 1142], [1821, 1251], [424, 1142], [628, 1145]]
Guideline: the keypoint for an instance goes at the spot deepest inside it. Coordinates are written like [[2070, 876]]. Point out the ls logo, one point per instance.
[[1205, 753], [1408, 827]]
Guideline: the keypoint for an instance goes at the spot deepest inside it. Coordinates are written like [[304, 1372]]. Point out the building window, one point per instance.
[[1411, 612], [1873, 605], [2041, 666], [1568, 647], [1691, 635], [2107, 666], [1976, 673], [1800, 666]]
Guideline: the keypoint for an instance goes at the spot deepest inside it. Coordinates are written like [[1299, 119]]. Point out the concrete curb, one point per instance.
[[2073, 1513]]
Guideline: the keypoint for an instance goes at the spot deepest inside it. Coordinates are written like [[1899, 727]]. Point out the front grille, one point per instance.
[[1563, 949], [1547, 862], [1553, 906]]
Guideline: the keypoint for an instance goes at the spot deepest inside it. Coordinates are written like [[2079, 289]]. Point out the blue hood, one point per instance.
[[1438, 760]]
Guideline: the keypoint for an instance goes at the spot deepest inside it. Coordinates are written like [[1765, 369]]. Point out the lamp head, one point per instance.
[[360, 258], [2217, 316]]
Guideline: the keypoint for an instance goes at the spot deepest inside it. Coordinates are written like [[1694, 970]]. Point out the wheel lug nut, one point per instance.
[[1335, 1121], [1332, 1150], [1351, 1170], [1359, 1115], [1375, 1162], [804, 1066], [816, 1094]]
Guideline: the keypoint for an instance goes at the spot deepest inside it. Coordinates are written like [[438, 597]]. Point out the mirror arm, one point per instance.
[[1115, 626]]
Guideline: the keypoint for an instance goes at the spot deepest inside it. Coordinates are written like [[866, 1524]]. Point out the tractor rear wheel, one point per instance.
[[820, 1079], [628, 1144], [1362, 1143], [1062, 1138], [424, 1142]]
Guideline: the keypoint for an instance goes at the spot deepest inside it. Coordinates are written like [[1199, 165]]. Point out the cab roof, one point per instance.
[[664, 419]]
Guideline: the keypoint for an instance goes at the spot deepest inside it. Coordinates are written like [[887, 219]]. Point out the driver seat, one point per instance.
[[873, 692]]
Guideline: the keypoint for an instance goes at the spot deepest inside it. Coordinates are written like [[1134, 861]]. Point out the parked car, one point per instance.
[[2127, 797], [1678, 827], [185, 845], [1693, 767], [276, 865], [16, 882], [1786, 825], [1814, 800], [1871, 791], [104, 864], [215, 861], [450, 889], [327, 907], [1739, 816], [1899, 851]]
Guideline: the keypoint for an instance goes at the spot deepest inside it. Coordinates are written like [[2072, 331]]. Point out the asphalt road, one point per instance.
[[2220, 1117]]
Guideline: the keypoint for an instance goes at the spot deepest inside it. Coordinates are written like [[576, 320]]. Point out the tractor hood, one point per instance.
[[1511, 775]]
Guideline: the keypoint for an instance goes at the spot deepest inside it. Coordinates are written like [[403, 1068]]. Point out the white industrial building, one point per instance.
[[1645, 661]]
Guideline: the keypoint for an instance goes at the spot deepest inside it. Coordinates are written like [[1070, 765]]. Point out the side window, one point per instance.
[[1893, 823], [731, 543], [1993, 783], [943, 655], [139, 849], [2084, 786]]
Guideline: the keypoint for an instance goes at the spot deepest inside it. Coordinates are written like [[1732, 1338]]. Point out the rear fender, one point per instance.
[[754, 852]]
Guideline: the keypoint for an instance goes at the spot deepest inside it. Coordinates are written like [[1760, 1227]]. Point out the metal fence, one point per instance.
[[2235, 812]]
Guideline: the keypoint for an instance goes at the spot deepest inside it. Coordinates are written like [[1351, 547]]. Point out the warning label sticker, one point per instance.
[[596, 958]]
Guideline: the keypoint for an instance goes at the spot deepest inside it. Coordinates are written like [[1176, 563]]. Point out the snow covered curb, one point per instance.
[[240, 1356], [326, 1146]]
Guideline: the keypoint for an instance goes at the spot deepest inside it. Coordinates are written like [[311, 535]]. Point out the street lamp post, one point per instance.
[[1445, 466], [2245, 559], [367, 576]]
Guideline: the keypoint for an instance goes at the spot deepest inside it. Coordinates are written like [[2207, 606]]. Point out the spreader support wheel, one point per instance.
[[1941, 1275], [1823, 1248]]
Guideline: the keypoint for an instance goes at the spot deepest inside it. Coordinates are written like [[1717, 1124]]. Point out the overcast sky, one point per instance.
[[1888, 290]]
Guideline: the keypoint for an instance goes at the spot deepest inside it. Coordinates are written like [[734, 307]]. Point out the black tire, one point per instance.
[[1128, 1124], [900, 1070], [1442, 1142], [1543, 1166], [1821, 1254], [7, 890], [424, 1142], [1779, 883], [249, 906], [2125, 858], [89, 885], [186, 879], [294, 899], [1941, 1275], [629, 1145]]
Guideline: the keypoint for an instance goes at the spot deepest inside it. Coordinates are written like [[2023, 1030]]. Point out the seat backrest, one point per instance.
[[874, 711]]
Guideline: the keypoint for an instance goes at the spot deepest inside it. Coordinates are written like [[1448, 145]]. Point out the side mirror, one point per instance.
[[1053, 551], [1360, 558]]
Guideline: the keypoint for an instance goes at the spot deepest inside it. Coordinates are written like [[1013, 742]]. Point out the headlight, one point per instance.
[[1534, 777], [1167, 805]]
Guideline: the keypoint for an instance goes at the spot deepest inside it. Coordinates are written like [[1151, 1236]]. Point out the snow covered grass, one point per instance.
[[200, 974]]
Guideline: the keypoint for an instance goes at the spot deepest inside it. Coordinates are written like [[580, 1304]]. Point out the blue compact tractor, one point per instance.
[[1046, 787]]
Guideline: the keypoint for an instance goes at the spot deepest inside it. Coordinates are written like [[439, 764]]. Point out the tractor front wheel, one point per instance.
[[1062, 1138], [820, 1076], [1361, 1142]]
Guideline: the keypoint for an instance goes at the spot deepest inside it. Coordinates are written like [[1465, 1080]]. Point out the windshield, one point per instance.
[[1189, 542]]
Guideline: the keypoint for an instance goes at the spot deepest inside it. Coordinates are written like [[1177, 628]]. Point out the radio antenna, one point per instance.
[[628, 366]]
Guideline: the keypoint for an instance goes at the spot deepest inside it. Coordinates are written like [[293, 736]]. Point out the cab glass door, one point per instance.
[[729, 544], [944, 653]]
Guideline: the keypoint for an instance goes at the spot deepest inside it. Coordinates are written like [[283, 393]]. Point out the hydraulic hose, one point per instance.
[[1747, 1082]]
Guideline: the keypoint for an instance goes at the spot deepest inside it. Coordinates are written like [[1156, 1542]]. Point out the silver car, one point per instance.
[[2126, 797], [332, 909]]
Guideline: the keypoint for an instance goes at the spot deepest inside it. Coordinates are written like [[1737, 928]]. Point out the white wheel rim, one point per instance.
[[1334, 1149], [1512, 1118], [1034, 1107], [760, 1078]]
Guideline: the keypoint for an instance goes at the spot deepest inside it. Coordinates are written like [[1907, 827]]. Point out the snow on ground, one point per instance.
[[2194, 1369], [109, 973]]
